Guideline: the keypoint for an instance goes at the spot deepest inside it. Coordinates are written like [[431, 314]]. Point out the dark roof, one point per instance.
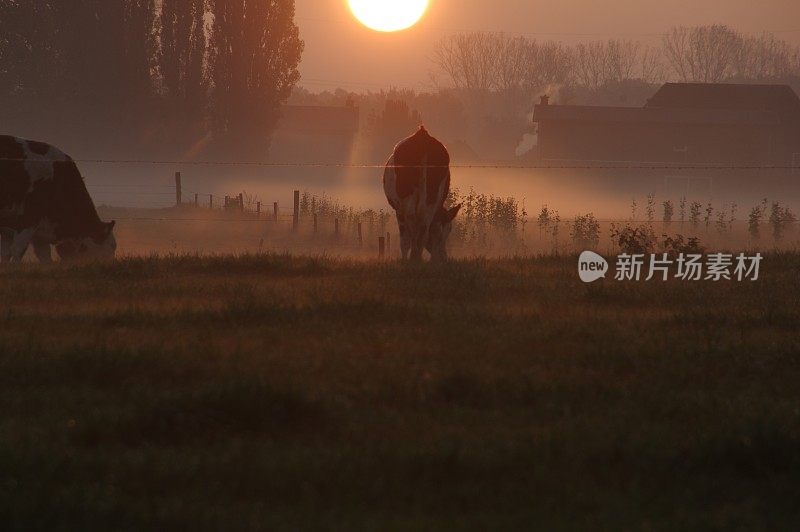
[[317, 118], [778, 99], [692, 103], [580, 113]]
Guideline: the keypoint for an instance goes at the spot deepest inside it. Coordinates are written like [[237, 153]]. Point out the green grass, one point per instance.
[[272, 392]]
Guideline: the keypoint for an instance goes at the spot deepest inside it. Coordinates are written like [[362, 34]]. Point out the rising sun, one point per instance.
[[388, 15]]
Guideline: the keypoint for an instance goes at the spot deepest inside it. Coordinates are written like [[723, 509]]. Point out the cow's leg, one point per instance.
[[419, 236], [21, 242], [42, 250], [6, 238], [405, 241]]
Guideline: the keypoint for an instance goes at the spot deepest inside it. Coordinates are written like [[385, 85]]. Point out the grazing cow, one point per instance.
[[417, 183], [44, 202]]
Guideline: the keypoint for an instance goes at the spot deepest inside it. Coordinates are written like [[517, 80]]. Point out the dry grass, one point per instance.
[[279, 392]]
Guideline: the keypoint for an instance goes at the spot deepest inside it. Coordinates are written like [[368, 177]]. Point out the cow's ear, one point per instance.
[[110, 226], [451, 213]]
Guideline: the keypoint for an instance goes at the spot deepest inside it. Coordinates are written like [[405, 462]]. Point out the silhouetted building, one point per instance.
[[315, 133], [681, 123]]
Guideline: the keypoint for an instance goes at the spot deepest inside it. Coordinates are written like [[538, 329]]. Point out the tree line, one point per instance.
[[495, 62], [165, 77]]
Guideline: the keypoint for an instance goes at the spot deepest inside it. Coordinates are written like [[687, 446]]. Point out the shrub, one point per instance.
[[754, 219], [682, 206], [630, 239], [779, 218], [669, 211], [651, 208], [585, 231], [674, 246], [694, 213], [709, 212]]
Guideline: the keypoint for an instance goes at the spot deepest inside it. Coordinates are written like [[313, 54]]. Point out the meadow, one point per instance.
[[280, 392]]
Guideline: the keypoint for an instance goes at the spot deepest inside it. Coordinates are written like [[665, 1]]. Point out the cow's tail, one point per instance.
[[421, 221]]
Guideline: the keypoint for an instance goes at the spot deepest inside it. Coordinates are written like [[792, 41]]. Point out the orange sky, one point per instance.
[[341, 52]]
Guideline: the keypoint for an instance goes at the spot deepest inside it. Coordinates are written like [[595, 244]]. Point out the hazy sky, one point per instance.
[[341, 52]]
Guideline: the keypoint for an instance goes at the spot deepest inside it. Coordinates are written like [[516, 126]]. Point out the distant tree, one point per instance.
[[255, 51], [139, 48], [182, 62], [481, 62], [704, 53], [512, 63], [549, 63], [602, 63], [591, 67], [29, 59], [622, 58], [86, 63], [470, 60], [764, 57], [108, 49], [652, 65]]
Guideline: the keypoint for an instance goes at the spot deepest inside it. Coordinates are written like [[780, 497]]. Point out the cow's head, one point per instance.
[[439, 232], [101, 245]]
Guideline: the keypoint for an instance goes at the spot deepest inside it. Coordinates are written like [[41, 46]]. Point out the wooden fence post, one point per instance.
[[381, 247], [296, 216], [336, 227], [211, 201], [241, 202], [315, 223], [360, 236], [275, 211], [178, 191], [196, 201], [258, 209]]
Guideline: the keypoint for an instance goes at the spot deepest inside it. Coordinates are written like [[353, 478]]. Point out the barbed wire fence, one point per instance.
[[350, 228]]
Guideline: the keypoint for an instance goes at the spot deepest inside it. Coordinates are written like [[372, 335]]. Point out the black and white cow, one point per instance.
[[417, 182], [44, 202]]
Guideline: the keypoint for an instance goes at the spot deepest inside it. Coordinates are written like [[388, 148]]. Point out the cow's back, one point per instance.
[[39, 181], [421, 160]]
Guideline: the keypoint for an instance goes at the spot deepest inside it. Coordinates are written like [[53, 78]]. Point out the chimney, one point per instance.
[[544, 100]]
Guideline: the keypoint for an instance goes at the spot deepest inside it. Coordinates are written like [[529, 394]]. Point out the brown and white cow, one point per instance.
[[417, 182], [44, 202]]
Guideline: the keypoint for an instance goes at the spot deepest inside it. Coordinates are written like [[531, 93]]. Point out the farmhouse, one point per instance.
[[682, 123]]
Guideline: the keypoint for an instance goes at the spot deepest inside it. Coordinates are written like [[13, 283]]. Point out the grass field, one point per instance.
[[272, 392]]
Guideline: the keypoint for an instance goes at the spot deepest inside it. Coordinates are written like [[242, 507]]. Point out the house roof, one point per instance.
[[651, 115], [692, 103], [779, 99], [316, 118]]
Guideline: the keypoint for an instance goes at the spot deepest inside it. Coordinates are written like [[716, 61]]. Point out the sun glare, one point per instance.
[[388, 15]]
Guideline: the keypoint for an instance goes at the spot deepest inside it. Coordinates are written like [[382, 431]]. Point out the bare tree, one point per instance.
[[470, 60], [622, 58], [513, 62], [764, 57], [599, 63], [591, 64], [549, 63], [652, 65], [703, 53]]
